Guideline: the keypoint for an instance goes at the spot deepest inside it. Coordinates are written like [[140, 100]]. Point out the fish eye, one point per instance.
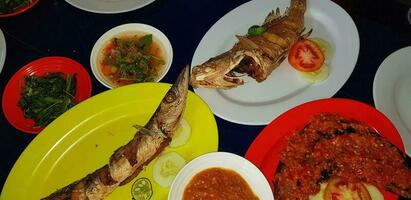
[[171, 96]]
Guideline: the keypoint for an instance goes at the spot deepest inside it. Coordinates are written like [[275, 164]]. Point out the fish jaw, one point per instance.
[[169, 113], [261, 65], [215, 72]]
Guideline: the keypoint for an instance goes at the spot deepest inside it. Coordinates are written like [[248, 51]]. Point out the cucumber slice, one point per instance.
[[142, 189], [182, 134], [166, 168], [324, 46], [316, 76]]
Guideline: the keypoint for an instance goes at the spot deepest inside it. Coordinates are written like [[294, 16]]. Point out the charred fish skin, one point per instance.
[[127, 161], [164, 121], [256, 56]]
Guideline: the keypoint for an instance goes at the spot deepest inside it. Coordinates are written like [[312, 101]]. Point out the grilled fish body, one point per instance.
[[127, 161], [256, 56]]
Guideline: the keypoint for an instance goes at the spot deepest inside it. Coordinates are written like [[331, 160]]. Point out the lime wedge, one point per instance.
[[142, 189]]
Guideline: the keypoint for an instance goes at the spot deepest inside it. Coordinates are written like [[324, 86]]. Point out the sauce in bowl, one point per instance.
[[218, 183], [131, 58]]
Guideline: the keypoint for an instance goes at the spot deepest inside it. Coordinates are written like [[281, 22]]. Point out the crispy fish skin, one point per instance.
[[256, 56], [127, 161]]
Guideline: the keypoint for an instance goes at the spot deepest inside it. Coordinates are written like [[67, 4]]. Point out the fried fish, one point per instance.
[[255, 55], [127, 161]]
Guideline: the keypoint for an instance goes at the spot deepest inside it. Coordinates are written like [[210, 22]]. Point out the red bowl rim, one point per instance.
[[14, 114], [21, 10]]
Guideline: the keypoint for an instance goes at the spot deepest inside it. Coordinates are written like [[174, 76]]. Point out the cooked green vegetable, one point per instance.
[[45, 98], [256, 30], [9, 6]]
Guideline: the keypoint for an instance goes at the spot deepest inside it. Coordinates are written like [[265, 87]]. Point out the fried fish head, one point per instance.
[[170, 111], [221, 71], [217, 71]]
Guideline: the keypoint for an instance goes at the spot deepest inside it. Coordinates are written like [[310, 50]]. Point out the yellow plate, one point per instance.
[[82, 140]]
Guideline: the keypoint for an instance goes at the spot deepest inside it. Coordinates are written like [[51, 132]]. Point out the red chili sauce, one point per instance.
[[218, 184], [332, 146]]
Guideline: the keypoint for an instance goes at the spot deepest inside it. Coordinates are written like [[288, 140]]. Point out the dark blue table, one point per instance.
[[54, 28]]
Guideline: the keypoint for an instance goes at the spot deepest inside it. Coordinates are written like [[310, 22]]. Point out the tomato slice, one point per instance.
[[338, 189], [305, 56]]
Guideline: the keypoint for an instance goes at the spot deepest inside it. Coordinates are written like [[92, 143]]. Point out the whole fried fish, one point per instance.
[[127, 161], [256, 56]]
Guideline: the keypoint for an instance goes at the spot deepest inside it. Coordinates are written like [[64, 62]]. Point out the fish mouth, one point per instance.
[[228, 69], [179, 89], [232, 73], [219, 72]]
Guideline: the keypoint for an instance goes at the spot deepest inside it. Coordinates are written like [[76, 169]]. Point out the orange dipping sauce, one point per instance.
[[218, 184]]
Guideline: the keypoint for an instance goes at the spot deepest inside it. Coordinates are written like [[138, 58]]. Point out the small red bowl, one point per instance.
[[11, 94], [21, 10]]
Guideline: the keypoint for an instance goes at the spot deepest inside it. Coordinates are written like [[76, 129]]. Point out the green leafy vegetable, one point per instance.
[[45, 98], [256, 30], [9, 6], [145, 41]]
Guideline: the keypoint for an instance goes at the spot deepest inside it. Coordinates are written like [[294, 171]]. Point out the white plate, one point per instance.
[[109, 6], [132, 28], [251, 174], [392, 92], [3, 49], [259, 103]]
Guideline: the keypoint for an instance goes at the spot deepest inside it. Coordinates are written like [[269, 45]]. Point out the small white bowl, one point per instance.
[[250, 173], [158, 36]]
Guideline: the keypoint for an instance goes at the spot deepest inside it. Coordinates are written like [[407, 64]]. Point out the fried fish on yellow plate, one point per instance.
[[128, 160]]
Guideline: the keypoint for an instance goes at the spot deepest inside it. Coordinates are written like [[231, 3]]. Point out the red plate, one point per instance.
[[265, 150], [34, 2], [39, 67]]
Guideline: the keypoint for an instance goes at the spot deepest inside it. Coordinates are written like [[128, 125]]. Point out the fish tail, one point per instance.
[[296, 12], [298, 6]]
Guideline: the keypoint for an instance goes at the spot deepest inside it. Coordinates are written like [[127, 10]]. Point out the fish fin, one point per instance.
[[275, 16], [307, 34]]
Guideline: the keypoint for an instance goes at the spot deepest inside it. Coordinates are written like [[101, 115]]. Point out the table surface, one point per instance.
[[55, 28]]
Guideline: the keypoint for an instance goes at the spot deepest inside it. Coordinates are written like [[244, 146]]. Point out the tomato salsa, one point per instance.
[[130, 59], [332, 146], [218, 184]]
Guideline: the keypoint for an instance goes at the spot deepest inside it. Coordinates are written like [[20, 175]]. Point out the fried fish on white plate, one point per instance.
[[256, 54], [258, 103]]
